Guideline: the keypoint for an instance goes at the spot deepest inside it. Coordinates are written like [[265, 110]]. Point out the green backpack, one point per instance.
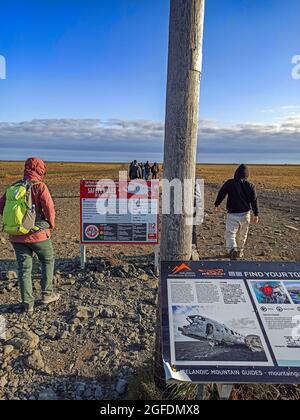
[[19, 215]]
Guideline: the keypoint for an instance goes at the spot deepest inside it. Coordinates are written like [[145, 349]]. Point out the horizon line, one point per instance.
[[160, 163]]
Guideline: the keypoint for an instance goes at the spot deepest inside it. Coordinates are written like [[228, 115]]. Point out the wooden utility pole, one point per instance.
[[181, 133], [182, 114]]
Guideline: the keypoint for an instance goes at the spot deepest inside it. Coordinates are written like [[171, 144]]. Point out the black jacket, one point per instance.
[[242, 196]]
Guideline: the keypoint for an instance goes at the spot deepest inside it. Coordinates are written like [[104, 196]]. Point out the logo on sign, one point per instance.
[[91, 232], [179, 268]]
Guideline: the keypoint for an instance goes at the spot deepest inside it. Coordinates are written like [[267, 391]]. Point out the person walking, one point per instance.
[[29, 217], [142, 166], [155, 170], [147, 171], [242, 198], [135, 171]]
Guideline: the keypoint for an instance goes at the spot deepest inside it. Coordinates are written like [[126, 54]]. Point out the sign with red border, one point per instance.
[[119, 212]]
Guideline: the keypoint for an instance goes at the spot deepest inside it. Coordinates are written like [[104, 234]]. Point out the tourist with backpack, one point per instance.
[[29, 217], [242, 198]]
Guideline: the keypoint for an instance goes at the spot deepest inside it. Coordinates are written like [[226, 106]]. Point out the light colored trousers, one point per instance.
[[237, 228]]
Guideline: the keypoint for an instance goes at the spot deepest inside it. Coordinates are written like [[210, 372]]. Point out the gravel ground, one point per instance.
[[88, 345]]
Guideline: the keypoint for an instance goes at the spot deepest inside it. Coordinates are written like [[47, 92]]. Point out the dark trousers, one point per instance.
[[24, 255]]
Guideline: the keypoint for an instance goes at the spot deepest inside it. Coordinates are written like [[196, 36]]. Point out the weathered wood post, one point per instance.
[[181, 131], [182, 115]]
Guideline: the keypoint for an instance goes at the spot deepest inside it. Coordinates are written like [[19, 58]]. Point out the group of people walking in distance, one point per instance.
[[28, 215], [144, 171]]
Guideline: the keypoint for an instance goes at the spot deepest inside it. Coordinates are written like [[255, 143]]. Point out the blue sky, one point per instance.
[[87, 80]]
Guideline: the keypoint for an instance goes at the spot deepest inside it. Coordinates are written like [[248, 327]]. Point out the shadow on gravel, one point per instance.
[[60, 263], [70, 388], [7, 265], [11, 309]]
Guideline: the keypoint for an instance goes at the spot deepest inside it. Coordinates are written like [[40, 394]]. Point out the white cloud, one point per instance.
[[290, 107], [123, 140]]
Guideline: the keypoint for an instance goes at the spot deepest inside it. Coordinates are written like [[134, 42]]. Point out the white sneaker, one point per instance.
[[47, 299]]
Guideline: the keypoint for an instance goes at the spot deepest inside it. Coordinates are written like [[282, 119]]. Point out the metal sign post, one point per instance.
[[82, 256]]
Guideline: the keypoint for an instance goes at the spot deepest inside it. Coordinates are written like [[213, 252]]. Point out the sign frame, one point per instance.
[[153, 243], [201, 373]]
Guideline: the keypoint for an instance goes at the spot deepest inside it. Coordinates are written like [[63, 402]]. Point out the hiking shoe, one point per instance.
[[27, 310], [47, 299], [234, 254], [241, 254]]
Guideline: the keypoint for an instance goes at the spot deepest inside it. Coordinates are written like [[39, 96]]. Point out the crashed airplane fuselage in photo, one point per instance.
[[205, 329]]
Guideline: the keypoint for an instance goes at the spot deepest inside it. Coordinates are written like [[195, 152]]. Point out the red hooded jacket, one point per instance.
[[35, 170]]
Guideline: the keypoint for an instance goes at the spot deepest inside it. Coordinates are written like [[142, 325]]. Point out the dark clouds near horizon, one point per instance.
[[122, 141]]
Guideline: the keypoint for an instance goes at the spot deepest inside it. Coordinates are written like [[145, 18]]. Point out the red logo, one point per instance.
[[180, 268], [91, 232]]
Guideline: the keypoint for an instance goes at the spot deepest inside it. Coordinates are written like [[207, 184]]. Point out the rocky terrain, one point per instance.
[[94, 341], [88, 344]]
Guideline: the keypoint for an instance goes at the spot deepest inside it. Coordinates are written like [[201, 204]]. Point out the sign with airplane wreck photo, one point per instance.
[[119, 212], [234, 322]]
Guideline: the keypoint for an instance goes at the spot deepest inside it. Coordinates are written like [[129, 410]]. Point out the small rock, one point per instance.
[[80, 389], [103, 355], [24, 340], [82, 313], [262, 254], [101, 267], [11, 275], [107, 313], [7, 350], [292, 228], [37, 286], [121, 386], [35, 361], [117, 272], [126, 268], [52, 333], [98, 393], [48, 395], [3, 381], [87, 393]]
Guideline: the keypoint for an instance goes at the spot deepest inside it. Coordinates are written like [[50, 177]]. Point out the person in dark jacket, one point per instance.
[[135, 171], [241, 199], [147, 171], [155, 170]]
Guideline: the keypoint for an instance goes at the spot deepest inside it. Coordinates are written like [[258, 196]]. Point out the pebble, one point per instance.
[[121, 386], [48, 395], [35, 361], [7, 350]]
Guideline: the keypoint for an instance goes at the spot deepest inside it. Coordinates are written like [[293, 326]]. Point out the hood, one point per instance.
[[242, 172], [35, 169]]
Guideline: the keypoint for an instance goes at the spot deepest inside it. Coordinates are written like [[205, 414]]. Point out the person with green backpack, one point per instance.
[[29, 217]]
